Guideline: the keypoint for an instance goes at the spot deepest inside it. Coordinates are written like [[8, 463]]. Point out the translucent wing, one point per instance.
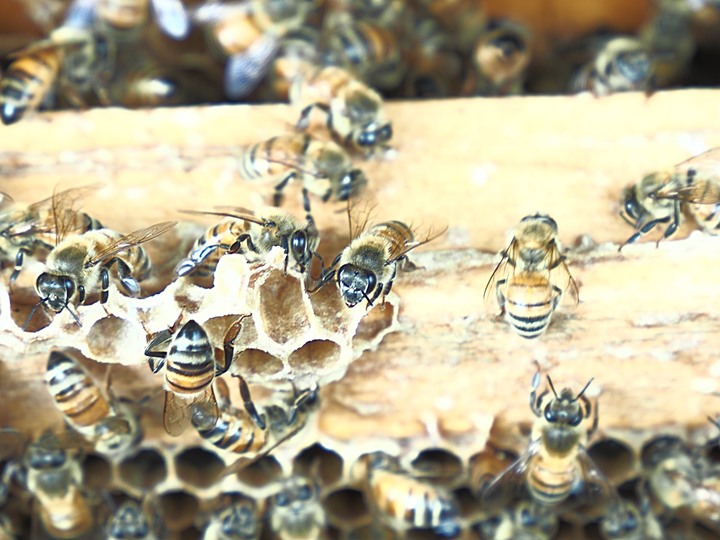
[[6, 203], [178, 412], [359, 214], [172, 18], [704, 169], [244, 71], [130, 240], [231, 212], [80, 14], [64, 212], [501, 272], [425, 238], [560, 277], [511, 484], [593, 491], [707, 163]]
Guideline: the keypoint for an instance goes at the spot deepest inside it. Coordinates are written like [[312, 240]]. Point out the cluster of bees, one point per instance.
[[107, 52]]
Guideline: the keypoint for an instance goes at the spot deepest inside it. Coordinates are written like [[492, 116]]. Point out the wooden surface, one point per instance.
[[647, 325]]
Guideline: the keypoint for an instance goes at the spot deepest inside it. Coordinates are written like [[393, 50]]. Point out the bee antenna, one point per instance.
[[552, 387], [365, 296], [74, 316], [583, 390], [41, 302]]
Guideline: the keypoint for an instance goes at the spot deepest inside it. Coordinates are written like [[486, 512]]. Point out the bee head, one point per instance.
[[622, 523], [631, 205], [238, 519], [350, 184], [55, 291], [129, 522], [355, 284], [633, 66], [295, 494], [565, 408], [373, 135], [46, 454]]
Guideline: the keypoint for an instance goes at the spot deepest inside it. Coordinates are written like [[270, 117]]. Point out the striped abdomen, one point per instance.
[[68, 516], [273, 158], [530, 300], [190, 361], [135, 257], [74, 392], [395, 233], [26, 82], [370, 50], [550, 480], [207, 250], [234, 433]]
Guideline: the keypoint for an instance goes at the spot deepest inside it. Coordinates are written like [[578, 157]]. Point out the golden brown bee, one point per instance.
[[355, 112], [124, 19], [129, 522], [500, 60], [295, 511], [189, 367], [525, 280], [661, 197], [248, 431], [298, 54], [109, 425], [248, 35], [324, 168], [556, 463], [80, 264], [234, 520], [32, 230], [254, 236], [621, 64], [527, 520], [406, 502], [77, 59], [367, 267]]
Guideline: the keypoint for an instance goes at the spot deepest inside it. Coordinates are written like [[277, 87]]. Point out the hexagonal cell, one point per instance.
[[615, 459], [254, 362], [178, 509], [281, 308], [144, 470], [316, 354], [437, 465], [97, 472], [659, 447], [320, 463], [115, 338], [374, 326], [346, 507], [329, 308], [22, 301], [486, 465], [198, 467], [261, 472]]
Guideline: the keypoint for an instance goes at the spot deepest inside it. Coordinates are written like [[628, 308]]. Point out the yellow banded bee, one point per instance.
[[621, 64], [527, 520], [661, 197], [253, 236], [525, 280], [80, 264], [355, 112], [406, 502], [123, 19], [189, 367], [367, 267], [325, 169], [103, 421], [77, 59], [32, 230], [234, 520], [248, 34], [556, 470], [129, 522], [295, 511], [247, 430]]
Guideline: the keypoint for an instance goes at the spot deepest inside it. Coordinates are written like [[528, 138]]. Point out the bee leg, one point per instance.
[[19, 258], [196, 258], [236, 247], [278, 195], [646, 229], [128, 282], [535, 384], [406, 265], [151, 349], [249, 404], [500, 297], [304, 121], [229, 345], [300, 401], [673, 224], [595, 414], [557, 296]]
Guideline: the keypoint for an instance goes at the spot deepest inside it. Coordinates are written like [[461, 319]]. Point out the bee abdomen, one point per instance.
[[529, 305], [550, 487], [395, 233], [232, 435], [25, 83]]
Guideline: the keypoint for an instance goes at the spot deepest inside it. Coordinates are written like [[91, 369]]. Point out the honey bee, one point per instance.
[[189, 367], [406, 502], [556, 469], [325, 169], [80, 264], [106, 423], [621, 64], [524, 281], [660, 197], [367, 267], [500, 59], [123, 19], [295, 511], [355, 112], [631, 522], [248, 34], [77, 59], [235, 520], [526, 521], [33, 230], [298, 54], [253, 236], [247, 431], [129, 522]]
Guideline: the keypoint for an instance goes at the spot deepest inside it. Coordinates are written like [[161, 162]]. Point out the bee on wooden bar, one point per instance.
[[189, 367], [234, 520], [525, 521], [407, 502], [124, 19], [129, 522], [254, 236], [525, 280], [325, 169], [78, 60], [32, 230], [661, 197], [247, 430], [103, 421], [555, 470], [355, 112], [80, 264], [621, 64], [248, 34], [295, 511]]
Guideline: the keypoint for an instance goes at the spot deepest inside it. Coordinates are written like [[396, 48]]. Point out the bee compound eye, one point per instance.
[[305, 493], [386, 133], [281, 499], [550, 415], [366, 138]]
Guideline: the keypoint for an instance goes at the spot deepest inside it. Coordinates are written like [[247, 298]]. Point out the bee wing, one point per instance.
[[705, 187], [561, 277], [172, 18], [244, 71], [706, 163], [176, 414], [231, 212], [594, 489], [502, 270], [130, 240], [359, 213], [511, 484], [425, 238], [80, 14]]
